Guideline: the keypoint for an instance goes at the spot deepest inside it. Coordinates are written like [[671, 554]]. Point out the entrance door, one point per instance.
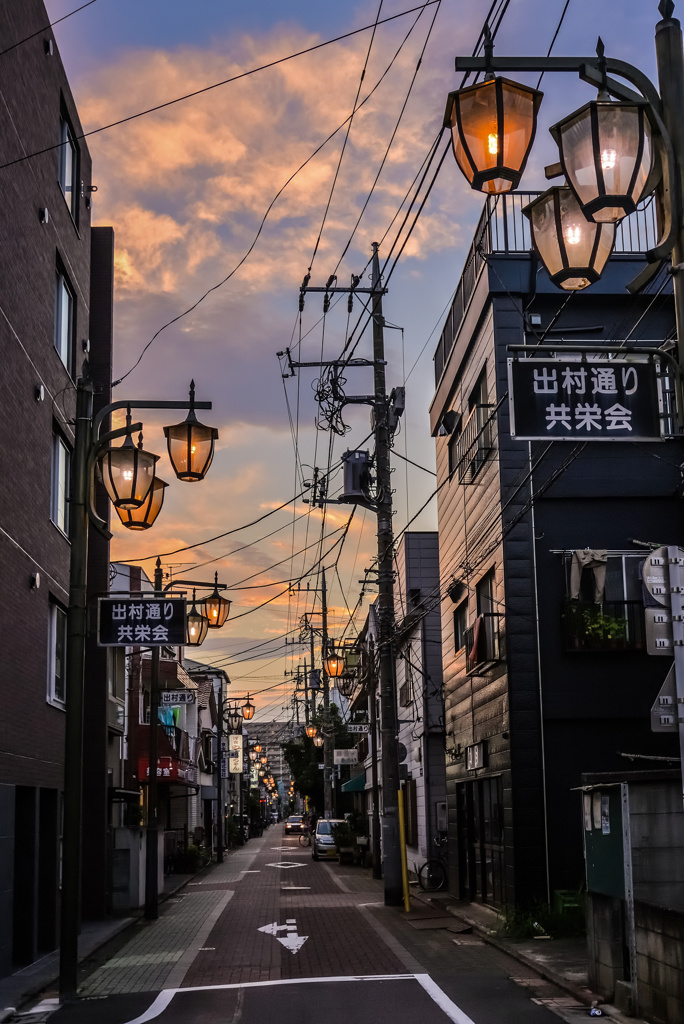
[[480, 840]]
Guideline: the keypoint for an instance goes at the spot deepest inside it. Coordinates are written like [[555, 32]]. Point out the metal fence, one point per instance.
[[504, 229]]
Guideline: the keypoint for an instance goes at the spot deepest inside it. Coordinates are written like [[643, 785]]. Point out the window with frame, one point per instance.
[[68, 166], [59, 500], [57, 645], [460, 625], [485, 594], [116, 672], [64, 319], [454, 451]]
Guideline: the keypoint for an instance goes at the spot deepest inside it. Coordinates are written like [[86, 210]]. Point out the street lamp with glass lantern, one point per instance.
[[216, 607], [334, 664], [197, 625], [127, 472], [573, 249], [191, 444], [143, 517], [318, 740], [248, 709], [311, 731]]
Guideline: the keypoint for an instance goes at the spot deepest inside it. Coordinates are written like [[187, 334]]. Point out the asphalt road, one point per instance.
[[293, 942]]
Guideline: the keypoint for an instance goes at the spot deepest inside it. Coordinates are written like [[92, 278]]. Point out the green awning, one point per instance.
[[355, 785]]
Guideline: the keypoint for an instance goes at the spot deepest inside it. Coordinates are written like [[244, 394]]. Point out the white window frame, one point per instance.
[[64, 319], [68, 166], [61, 479], [57, 629]]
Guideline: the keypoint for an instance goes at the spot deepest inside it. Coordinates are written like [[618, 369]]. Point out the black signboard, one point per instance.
[[148, 621], [589, 400]]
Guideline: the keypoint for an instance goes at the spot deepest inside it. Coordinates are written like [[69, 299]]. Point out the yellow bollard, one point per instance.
[[402, 843]]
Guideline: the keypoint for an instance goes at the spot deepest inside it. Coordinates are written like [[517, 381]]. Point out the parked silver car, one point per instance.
[[323, 844]]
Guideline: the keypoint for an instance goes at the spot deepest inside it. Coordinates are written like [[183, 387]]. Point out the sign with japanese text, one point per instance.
[[358, 727], [174, 698], [235, 753], [169, 769], [349, 756], [568, 400], [150, 622]]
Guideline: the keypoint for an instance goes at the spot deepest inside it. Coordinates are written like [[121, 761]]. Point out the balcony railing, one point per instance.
[[474, 444], [503, 228], [482, 642], [612, 626]]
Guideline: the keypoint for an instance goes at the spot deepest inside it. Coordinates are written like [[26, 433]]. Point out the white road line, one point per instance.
[[452, 1011], [445, 1004], [165, 997]]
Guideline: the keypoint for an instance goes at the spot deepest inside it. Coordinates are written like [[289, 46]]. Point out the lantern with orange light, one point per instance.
[[493, 125]]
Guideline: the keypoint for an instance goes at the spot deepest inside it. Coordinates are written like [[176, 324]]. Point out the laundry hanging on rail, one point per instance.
[[588, 558]]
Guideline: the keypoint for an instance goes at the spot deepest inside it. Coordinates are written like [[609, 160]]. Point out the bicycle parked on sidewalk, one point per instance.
[[434, 873]]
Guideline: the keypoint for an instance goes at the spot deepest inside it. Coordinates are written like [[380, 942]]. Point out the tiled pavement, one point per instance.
[[321, 920]]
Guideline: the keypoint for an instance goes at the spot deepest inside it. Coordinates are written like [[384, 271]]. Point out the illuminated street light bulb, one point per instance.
[[573, 234], [311, 731], [608, 159], [493, 144]]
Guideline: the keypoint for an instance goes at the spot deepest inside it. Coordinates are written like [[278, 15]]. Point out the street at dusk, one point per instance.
[[341, 529]]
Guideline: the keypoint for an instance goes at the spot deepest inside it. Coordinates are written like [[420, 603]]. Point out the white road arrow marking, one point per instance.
[[291, 940]]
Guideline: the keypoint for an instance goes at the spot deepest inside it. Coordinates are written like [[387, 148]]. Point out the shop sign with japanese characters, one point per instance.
[[152, 623], [235, 753], [568, 400], [174, 698]]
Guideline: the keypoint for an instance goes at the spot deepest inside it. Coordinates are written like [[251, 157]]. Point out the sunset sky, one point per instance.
[[186, 189]]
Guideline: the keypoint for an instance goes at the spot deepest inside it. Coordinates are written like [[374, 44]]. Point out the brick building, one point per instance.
[[56, 295]]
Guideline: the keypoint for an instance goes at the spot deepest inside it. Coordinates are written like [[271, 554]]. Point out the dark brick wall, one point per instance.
[[34, 93]]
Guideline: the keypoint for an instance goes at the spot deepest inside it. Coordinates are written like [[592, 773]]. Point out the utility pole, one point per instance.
[[377, 846], [391, 851], [152, 831], [327, 734]]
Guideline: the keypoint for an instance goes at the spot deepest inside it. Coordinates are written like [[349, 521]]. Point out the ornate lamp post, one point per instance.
[[130, 474]]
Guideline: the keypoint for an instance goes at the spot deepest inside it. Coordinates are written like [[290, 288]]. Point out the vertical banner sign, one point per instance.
[[568, 400], [235, 752]]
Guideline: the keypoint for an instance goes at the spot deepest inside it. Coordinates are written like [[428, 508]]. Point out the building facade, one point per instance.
[[56, 272], [546, 672]]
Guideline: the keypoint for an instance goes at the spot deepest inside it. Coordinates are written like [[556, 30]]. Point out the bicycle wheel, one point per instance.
[[305, 839], [432, 876]]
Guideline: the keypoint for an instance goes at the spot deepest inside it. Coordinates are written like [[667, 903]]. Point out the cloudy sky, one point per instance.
[[186, 189]]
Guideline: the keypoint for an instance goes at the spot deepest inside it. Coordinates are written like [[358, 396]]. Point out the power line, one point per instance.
[[50, 24], [280, 191]]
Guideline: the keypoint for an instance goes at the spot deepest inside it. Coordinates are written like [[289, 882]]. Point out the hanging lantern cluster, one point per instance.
[[606, 152], [128, 472]]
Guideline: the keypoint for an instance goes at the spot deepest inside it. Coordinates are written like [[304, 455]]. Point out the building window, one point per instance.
[[485, 594], [116, 672], [64, 319], [460, 625], [59, 508], [454, 451], [57, 642], [68, 166]]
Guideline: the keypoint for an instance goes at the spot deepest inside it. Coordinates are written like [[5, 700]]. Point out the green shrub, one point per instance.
[[519, 924]]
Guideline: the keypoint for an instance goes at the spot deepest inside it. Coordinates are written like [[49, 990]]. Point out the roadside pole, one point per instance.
[[327, 737], [152, 831], [391, 852]]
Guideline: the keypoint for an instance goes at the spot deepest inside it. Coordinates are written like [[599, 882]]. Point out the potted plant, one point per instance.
[[604, 630], [343, 834]]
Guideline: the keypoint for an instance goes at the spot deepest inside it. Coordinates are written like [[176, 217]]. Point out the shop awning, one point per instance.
[[355, 785]]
